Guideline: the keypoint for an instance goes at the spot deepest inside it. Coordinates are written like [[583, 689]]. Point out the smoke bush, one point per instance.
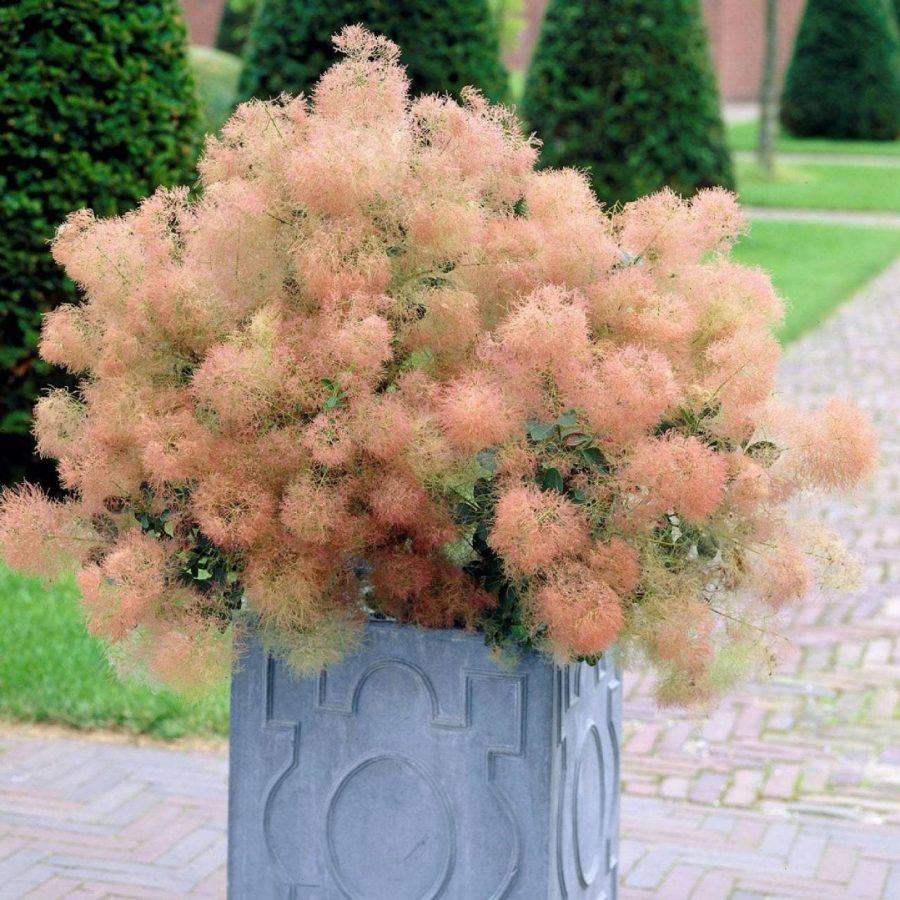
[[384, 367]]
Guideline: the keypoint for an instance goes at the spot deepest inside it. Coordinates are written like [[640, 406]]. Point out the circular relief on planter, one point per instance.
[[588, 804], [390, 831]]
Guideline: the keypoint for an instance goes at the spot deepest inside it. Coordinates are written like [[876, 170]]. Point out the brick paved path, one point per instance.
[[790, 789], [83, 819]]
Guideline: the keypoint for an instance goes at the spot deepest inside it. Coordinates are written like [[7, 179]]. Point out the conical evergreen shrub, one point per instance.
[[97, 108], [844, 78], [446, 45], [625, 89], [237, 16]]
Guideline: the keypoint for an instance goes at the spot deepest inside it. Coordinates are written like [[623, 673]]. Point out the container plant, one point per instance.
[[416, 434]]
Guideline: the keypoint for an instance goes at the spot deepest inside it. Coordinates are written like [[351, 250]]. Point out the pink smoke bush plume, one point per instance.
[[380, 365]]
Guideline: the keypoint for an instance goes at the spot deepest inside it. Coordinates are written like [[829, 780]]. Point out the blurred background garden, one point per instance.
[[794, 104]]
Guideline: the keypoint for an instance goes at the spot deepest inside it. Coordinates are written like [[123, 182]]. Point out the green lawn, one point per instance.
[[516, 85], [821, 186], [216, 74], [51, 670], [816, 267], [743, 136]]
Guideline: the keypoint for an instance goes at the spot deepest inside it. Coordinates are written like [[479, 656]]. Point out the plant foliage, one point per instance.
[[844, 78], [625, 90], [384, 367], [98, 108], [447, 45]]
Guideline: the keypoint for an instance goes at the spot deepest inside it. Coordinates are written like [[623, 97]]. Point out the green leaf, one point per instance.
[[539, 432], [594, 457], [487, 459], [765, 451], [568, 419], [169, 529], [466, 513], [664, 427], [572, 437], [203, 575], [519, 633], [552, 480], [707, 546]]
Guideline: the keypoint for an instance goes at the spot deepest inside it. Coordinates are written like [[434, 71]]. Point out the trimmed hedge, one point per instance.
[[235, 26], [237, 17], [844, 78], [445, 46], [625, 89], [97, 108]]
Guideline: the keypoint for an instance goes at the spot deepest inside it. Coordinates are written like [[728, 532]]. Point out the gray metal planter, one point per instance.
[[418, 769]]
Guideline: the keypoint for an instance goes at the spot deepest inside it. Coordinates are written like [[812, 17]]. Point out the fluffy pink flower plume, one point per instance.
[[833, 450], [312, 511], [633, 391], [42, 537], [784, 575], [380, 361], [583, 613], [122, 592], [534, 529], [233, 513], [671, 473], [685, 640], [478, 413]]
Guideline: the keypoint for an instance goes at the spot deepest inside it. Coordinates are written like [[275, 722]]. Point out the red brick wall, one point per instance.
[[736, 37], [736, 32], [202, 18]]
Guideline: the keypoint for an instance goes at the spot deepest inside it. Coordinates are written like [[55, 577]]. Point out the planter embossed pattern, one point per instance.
[[419, 769]]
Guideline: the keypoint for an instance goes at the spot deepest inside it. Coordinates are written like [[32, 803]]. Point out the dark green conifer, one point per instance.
[[625, 89], [844, 78], [445, 46]]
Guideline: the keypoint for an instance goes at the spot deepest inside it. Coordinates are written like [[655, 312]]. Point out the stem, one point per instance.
[[768, 100], [726, 615]]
